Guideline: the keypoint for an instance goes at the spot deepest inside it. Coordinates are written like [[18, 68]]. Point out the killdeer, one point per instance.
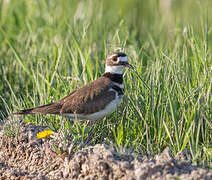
[[94, 100]]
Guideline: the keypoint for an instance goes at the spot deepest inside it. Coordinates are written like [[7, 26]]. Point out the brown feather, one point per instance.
[[46, 109], [90, 98]]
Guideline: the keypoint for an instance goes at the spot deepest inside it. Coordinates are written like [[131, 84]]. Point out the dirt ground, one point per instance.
[[26, 157]]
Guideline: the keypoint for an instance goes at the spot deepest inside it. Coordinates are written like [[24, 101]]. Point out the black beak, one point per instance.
[[126, 64]]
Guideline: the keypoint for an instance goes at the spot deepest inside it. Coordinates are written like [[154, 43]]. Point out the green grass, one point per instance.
[[43, 42]]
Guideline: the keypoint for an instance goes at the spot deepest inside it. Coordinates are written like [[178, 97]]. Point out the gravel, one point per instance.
[[23, 156]]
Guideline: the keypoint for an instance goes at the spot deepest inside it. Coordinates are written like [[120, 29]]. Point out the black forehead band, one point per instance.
[[121, 54]]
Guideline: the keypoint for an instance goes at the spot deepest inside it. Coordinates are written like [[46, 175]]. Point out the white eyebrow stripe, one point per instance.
[[123, 59]]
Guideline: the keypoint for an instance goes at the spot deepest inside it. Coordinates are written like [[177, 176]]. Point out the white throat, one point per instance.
[[114, 69]]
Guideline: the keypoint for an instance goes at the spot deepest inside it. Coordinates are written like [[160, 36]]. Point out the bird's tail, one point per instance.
[[24, 111], [53, 108]]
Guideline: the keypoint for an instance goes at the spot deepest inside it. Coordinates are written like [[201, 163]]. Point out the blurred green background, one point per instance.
[[161, 18], [169, 42]]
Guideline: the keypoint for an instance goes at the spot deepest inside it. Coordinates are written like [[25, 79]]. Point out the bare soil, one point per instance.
[[26, 157]]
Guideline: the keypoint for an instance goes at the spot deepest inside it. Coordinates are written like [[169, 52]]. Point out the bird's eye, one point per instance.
[[115, 58]]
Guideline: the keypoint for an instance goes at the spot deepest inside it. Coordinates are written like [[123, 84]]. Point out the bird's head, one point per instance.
[[116, 62]]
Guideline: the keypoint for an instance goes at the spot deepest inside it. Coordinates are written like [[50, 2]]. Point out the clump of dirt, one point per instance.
[[26, 157]]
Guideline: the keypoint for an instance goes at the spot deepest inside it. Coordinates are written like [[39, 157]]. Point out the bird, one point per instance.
[[95, 100]]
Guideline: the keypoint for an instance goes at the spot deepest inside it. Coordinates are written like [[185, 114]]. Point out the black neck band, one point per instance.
[[118, 78], [118, 89]]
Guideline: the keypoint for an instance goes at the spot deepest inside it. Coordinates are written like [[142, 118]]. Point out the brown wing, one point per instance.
[[90, 98]]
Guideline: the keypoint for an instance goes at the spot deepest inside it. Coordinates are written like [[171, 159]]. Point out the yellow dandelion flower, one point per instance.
[[44, 134]]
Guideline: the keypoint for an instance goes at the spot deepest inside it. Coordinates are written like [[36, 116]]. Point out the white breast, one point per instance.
[[110, 108]]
